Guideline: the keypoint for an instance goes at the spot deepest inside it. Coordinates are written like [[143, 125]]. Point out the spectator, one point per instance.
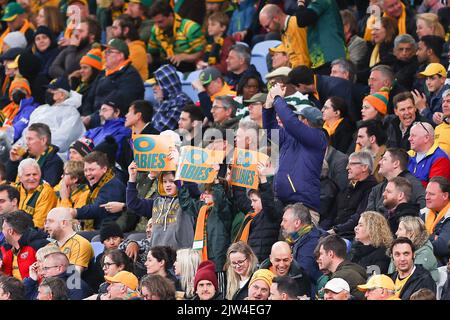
[[72, 191], [20, 238], [299, 231], [52, 288], [423, 294], [414, 229], [273, 19], [405, 65], [436, 216], [223, 113], [60, 114], [339, 128], [259, 285], [430, 6], [331, 258], [398, 128], [218, 45], [337, 162], [9, 199], [104, 186], [372, 288], [50, 17], [190, 125], [184, 48], [372, 138], [185, 267], [206, 283], [435, 75], [155, 287], [11, 288], [352, 201], [280, 57], [138, 9], [429, 50], [37, 197], [255, 106], [122, 286], [123, 28], [29, 68], [241, 19], [59, 226], [80, 149], [442, 131], [120, 77], [337, 289], [426, 159], [160, 260], [322, 17], [46, 48], [10, 70], [357, 47], [281, 263], [284, 288], [375, 106], [373, 237], [246, 88], [429, 24], [170, 97], [240, 266], [79, 43], [239, 65], [16, 20], [408, 277]]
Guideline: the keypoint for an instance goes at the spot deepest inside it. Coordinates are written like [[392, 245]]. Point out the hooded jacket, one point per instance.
[[22, 118], [354, 274], [63, 119], [440, 236], [302, 150], [168, 112], [421, 278], [29, 243], [171, 227]]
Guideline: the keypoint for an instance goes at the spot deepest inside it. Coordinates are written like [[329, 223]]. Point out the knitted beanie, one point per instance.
[[83, 146], [20, 83], [262, 274], [379, 100], [206, 271], [109, 230], [93, 58]]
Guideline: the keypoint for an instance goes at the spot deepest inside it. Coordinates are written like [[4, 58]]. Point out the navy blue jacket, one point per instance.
[[302, 150]]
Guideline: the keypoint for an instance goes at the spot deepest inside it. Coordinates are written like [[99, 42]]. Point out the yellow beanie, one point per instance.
[[263, 274]]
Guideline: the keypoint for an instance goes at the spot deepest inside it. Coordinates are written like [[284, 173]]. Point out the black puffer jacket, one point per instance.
[[368, 256], [402, 210], [421, 278], [265, 226]]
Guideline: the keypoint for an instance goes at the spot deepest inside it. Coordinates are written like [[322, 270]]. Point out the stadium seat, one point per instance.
[[187, 85], [98, 247], [260, 64], [262, 48]]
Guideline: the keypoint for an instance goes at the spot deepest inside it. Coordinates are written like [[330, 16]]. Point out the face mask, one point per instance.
[[18, 96], [49, 98]]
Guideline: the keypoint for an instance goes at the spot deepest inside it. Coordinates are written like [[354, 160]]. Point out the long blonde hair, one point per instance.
[[233, 278], [416, 228], [377, 226], [432, 21], [188, 261]]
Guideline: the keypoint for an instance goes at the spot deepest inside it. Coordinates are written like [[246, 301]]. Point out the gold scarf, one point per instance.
[[244, 232], [432, 219], [331, 129], [109, 72], [375, 56], [26, 25], [162, 38], [401, 24], [200, 236]]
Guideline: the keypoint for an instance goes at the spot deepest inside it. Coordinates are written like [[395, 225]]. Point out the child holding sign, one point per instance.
[[261, 224]]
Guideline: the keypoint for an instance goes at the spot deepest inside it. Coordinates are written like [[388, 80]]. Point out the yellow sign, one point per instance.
[[151, 151], [196, 164], [244, 170]]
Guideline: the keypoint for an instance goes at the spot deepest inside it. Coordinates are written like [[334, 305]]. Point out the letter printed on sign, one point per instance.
[[150, 152]]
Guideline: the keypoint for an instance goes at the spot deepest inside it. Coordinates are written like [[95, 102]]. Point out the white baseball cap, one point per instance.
[[337, 285]]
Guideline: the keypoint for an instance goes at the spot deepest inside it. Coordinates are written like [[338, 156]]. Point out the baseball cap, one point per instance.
[[59, 83], [432, 69], [378, 281], [11, 54], [12, 10], [278, 72], [119, 45], [125, 278], [145, 3], [279, 48], [312, 114], [209, 74], [259, 97], [337, 285]]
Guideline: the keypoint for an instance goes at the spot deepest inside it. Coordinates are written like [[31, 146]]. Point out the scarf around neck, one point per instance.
[[294, 236]]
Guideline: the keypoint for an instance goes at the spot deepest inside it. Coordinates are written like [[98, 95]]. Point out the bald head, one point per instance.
[[58, 223], [271, 11], [272, 18], [281, 258], [60, 214], [421, 136], [281, 246]]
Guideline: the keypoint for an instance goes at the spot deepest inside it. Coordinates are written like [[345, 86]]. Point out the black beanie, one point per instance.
[[45, 30], [110, 229], [109, 147]]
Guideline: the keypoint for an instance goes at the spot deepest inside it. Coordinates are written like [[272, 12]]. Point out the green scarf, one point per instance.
[[294, 236], [44, 156]]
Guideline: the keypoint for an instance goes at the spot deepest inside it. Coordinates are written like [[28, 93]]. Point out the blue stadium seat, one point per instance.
[[98, 247], [262, 48], [260, 64], [186, 85]]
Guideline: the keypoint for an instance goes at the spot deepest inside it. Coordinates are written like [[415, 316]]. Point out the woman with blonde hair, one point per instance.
[[240, 265], [414, 229], [373, 236], [185, 267], [428, 25]]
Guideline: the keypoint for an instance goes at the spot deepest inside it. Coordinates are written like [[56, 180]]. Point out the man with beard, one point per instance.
[[406, 64], [123, 28], [68, 60], [137, 10], [173, 39]]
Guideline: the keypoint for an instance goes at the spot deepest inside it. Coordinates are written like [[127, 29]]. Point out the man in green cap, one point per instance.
[[255, 105], [16, 19], [137, 9]]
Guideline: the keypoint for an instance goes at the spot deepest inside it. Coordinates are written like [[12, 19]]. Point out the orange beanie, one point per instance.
[[379, 100], [22, 83], [93, 58]]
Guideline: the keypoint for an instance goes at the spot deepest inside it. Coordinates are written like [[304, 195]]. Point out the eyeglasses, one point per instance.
[[354, 163], [48, 268], [107, 264], [109, 51], [238, 263], [422, 125], [217, 107], [267, 25]]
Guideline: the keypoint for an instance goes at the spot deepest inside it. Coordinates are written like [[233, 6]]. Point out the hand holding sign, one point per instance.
[[151, 152], [132, 172], [245, 167]]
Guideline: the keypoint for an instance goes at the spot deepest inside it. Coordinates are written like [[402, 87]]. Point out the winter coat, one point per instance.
[[328, 193], [51, 169], [435, 163], [218, 223], [374, 259], [350, 204], [395, 137], [337, 164], [354, 274], [327, 87], [421, 278], [434, 102], [297, 273], [233, 79], [405, 71], [63, 119], [425, 257], [115, 128], [303, 253], [29, 243], [113, 190], [47, 58], [343, 136], [375, 201], [29, 68], [171, 227], [440, 237], [402, 210], [302, 151], [242, 17], [242, 293], [68, 61], [265, 226], [22, 118]]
